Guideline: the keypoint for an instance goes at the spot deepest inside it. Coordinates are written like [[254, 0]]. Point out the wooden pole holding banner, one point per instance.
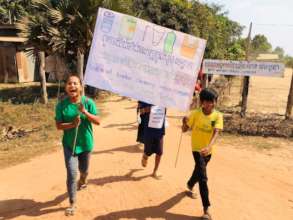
[[290, 100], [74, 141], [75, 135], [178, 149], [246, 78], [80, 66]]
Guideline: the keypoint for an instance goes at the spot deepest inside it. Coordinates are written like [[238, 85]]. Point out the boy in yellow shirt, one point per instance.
[[205, 123]]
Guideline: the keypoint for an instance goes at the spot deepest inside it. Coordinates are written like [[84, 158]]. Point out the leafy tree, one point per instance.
[[168, 13], [236, 51], [280, 51], [288, 61], [193, 17], [260, 44]]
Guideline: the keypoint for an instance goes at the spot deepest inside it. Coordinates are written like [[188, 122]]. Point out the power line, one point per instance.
[[275, 25]]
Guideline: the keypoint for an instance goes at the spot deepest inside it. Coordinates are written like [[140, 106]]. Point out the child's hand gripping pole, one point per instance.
[[183, 129]]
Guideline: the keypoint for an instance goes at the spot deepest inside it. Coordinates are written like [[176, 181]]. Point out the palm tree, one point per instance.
[[74, 22], [64, 28], [11, 10], [35, 28]]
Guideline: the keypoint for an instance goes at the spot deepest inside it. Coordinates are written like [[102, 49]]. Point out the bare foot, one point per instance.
[[144, 161]]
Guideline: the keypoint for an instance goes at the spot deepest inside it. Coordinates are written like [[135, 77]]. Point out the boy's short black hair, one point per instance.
[[208, 94]]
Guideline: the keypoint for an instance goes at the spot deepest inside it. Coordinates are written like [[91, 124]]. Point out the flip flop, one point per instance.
[[191, 194], [206, 216], [70, 211], [81, 185]]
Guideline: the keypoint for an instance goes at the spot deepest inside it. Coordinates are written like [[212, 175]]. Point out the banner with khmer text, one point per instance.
[[243, 68], [144, 61]]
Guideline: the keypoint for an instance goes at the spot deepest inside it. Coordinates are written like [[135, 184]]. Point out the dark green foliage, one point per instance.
[[260, 44], [192, 17], [11, 10]]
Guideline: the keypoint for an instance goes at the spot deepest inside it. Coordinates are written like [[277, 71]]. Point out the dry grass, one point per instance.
[[255, 142], [37, 117], [20, 110], [266, 94]]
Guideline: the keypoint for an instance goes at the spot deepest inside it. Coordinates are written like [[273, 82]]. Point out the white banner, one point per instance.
[[144, 61], [243, 68]]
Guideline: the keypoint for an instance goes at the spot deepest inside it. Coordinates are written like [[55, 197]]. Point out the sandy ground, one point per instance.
[[244, 183], [269, 95], [266, 94]]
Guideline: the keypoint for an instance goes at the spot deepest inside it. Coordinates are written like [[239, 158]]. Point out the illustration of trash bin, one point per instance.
[[127, 27], [189, 47], [169, 42], [107, 23]]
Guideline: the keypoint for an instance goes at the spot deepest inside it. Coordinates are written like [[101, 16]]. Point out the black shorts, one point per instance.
[[140, 133], [153, 145]]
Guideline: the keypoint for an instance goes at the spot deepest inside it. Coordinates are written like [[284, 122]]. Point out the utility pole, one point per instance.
[[246, 78], [290, 100]]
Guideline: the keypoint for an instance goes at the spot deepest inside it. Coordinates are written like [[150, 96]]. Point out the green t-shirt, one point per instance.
[[66, 112]]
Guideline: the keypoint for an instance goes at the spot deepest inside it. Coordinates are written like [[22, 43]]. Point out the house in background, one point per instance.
[[268, 57], [15, 64]]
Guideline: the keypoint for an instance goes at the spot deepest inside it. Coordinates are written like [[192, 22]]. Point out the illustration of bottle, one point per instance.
[[157, 36], [189, 47], [146, 28], [107, 22], [127, 27], [169, 42]]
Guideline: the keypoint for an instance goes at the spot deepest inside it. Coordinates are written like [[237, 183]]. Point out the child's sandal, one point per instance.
[[81, 184], [191, 194], [206, 216], [70, 211]]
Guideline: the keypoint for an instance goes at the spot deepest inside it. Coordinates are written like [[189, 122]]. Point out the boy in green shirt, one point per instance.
[[205, 123]]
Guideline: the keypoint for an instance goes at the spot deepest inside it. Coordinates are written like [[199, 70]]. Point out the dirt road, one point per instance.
[[245, 184]]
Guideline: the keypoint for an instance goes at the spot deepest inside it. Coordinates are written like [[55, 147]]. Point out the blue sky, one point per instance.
[[279, 12]]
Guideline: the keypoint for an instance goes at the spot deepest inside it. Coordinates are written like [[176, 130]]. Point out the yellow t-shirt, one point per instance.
[[202, 127]]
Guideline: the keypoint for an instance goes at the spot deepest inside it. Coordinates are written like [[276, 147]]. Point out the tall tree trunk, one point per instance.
[[80, 66], [290, 100], [41, 55]]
